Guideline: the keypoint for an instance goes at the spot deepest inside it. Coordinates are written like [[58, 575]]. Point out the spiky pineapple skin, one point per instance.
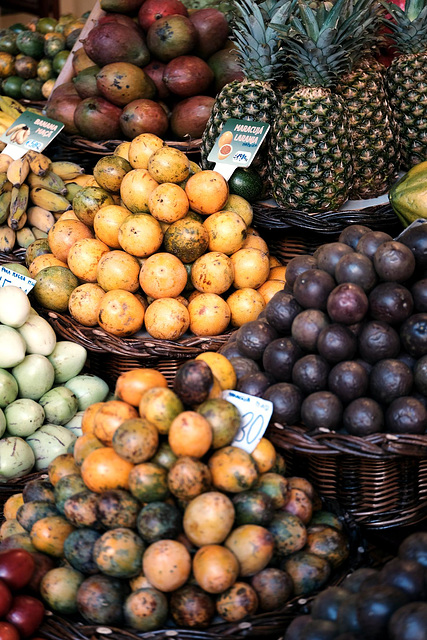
[[310, 151], [407, 88], [246, 100], [373, 129]]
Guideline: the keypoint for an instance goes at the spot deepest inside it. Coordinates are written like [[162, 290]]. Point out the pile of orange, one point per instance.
[[153, 241]]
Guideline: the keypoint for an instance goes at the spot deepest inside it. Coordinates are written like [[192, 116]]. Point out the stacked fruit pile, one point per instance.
[[33, 192], [42, 395], [147, 76], [165, 256], [385, 604], [32, 57], [156, 500], [344, 346]]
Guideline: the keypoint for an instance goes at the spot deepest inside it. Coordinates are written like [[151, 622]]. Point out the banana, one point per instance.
[[7, 239], [5, 199], [67, 170], [18, 170], [5, 161], [18, 207], [39, 163], [46, 199], [49, 181], [20, 136], [72, 190], [6, 120], [3, 181], [40, 218], [14, 128], [12, 107], [82, 180], [7, 186], [25, 237], [2, 145], [38, 234]]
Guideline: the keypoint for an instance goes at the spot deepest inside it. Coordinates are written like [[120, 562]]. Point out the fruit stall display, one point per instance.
[[32, 56], [388, 603], [163, 522]]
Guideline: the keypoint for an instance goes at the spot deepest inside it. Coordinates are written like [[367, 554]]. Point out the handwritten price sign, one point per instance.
[[256, 414], [12, 278]]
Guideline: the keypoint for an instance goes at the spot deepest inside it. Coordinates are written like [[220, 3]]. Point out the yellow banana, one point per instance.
[[3, 128], [82, 180], [49, 200], [5, 199], [40, 218], [39, 163], [39, 112], [5, 161], [2, 146], [5, 119], [18, 207], [25, 237], [12, 107], [3, 181], [7, 239], [7, 186], [49, 181], [18, 171], [67, 170], [38, 233]]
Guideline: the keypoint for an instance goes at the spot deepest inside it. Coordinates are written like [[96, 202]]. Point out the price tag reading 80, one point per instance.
[[256, 414]]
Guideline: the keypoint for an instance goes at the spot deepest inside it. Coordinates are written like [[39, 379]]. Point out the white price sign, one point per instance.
[[13, 278], [256, 414]]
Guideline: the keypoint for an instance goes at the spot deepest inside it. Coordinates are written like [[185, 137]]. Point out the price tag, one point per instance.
[[237, 145], [9, 278], [256, 414], [29, 131]]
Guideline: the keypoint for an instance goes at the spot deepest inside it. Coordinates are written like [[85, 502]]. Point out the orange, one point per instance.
[[215, 568], [84, 256], [167, 565], [122, 150], [63, 465], [84, 445], [103, 470], [227, 231], [131, 385], [88, 424], [42, 261], [135, 190], [12, 505], [213, 272], [168, 202], [64, 234], [169, 165], [163, 276], [278, 273], [274, 262], [221, 368], [166, 319], [209, 315], [107, 222], [190, 434], [245, 305], [142, 148], [264, 455], [255, 242], [118, 270], [109, 417], [207, 192], [120, 313], [269, 288], [140, 235], [251, 268], [83, 303]]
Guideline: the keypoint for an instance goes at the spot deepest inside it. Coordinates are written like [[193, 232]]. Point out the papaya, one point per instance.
[[408, 196]]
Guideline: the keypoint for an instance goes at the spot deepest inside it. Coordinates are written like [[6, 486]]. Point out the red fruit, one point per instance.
[[144, 116], [8, 631], [152, 10], [189, 117], [155, 70], [5, 598], [187, 76], [43, 564], [120, 18], [170, 37], [63, 110], [98, 119], [26, 614], [212, 31], [225, 66], [16, 567], [116, 42]]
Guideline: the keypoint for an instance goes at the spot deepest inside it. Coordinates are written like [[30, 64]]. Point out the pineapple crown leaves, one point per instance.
[[323, 45], [408, 26], [258, 47]]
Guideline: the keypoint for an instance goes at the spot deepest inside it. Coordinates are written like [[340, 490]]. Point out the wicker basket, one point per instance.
[[273, 219], [264, 625], [16, 485], [14, 256], [106, 147], [380, 479]]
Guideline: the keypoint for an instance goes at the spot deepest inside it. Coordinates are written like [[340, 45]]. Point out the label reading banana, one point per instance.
[[31, 131]]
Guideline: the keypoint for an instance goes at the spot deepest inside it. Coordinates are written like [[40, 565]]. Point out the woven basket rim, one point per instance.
[[103, 147], [330, 443], [18, 255], [274, 218], [96, 339]]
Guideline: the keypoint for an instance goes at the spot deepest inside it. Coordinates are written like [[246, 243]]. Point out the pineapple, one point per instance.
[[407, 78], [311, 165], [261, 60]]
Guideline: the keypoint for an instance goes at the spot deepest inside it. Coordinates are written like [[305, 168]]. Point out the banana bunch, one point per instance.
[[10, 110], [33, 193]]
